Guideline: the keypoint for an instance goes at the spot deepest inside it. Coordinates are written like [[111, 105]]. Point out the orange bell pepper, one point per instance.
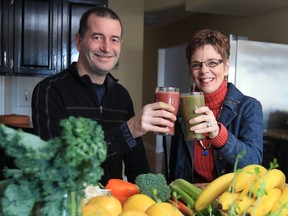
[[122, 189]]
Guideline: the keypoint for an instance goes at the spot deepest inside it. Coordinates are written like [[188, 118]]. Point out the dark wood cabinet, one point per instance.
[[283, 158], [270, 152], [32, 37], [72, 12], [38, 36], [275, 146], [5, 36]]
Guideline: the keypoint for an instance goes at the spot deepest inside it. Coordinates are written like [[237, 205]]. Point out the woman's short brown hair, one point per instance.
[[209, 37]]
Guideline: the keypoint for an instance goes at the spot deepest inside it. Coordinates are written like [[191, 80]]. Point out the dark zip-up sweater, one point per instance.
[[67, 94]]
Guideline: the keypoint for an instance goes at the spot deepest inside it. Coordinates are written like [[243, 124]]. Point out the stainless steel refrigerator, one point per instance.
[[260, 70]]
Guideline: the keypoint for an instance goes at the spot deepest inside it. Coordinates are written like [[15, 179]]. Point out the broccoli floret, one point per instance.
[[148, 182]]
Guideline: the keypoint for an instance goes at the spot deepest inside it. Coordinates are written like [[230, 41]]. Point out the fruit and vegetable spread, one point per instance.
[[50, 171], [250, 191]]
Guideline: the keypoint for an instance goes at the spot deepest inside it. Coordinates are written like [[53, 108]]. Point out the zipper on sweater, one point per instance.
[[101, 109]]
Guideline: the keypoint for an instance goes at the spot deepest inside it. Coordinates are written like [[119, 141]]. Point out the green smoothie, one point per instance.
[[189, 102]]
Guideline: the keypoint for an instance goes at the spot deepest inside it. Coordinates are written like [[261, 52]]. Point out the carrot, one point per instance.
[[122, 189], [182, 207]]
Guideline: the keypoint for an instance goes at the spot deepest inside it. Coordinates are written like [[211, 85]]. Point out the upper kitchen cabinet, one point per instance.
[[72, 12], [29, 36], [37, 37], [4, 36]]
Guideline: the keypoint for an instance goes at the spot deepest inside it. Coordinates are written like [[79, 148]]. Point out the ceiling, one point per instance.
[[159, 18], [163, 12]]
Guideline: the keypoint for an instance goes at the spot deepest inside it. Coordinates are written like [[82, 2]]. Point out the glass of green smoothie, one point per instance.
[[170, 95], [189, 102]]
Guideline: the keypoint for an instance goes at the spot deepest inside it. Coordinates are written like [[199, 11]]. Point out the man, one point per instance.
[[87, 89]]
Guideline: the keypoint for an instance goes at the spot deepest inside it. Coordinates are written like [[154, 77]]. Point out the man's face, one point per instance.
[[99, 49]]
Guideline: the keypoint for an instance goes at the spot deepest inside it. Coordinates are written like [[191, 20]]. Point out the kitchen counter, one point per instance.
[[279, 134]]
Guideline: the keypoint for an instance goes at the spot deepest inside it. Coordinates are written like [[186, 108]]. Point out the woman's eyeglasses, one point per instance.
[[209, 63]]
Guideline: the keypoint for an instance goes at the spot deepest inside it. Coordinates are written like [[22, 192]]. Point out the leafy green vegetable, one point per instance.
[[50, 170], [148, 182]]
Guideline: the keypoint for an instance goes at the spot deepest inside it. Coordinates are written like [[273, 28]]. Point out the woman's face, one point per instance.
[[208, 79]]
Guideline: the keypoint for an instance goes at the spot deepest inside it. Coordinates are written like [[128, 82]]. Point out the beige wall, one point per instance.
[[130, 69], [269, 28]]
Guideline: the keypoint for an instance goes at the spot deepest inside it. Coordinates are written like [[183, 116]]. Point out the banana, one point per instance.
[[244, 193], [241, 206], [245, 176], [243, 201], [213, 190], [227, 199], [263, 204], [273, 178], [281, 206]]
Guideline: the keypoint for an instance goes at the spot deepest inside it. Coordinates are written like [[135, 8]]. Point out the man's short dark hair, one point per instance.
[[99, 12]]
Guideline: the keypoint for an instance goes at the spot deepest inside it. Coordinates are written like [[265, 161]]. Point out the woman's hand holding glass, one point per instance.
[[205, 122]]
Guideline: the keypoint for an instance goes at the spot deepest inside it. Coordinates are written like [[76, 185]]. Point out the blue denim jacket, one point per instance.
[[243, 117]]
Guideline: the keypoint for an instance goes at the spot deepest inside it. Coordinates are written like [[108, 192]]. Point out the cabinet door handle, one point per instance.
[[11, 63], [64, 61], [26, 95], [5, 58], [55, 62]]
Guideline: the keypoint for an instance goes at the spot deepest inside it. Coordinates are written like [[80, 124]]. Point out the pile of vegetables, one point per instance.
[[149, 196], [49, 171]]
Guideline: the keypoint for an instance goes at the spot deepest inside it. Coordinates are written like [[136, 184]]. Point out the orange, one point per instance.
[[138, 202], [133, 213], [163, 208], [110, 203], [95, 210]]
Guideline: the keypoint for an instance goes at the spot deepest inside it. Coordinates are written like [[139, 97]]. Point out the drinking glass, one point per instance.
[[189, 102], [170, 95]]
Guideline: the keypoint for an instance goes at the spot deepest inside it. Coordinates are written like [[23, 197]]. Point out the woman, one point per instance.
[[232, 122]]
